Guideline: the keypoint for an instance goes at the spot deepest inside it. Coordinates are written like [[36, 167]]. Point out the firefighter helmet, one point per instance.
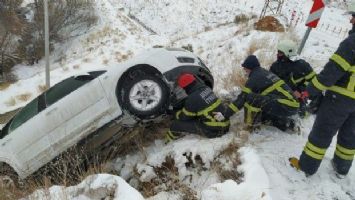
[[185, 79], [288, 47]]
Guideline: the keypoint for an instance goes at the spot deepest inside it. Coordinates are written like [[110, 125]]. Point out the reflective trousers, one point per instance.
[[336, 114]]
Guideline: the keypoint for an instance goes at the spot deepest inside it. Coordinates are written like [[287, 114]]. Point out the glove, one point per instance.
[[218, 116], [304, 96]]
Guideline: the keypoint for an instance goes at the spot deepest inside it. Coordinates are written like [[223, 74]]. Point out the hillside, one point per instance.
[[256, 165]]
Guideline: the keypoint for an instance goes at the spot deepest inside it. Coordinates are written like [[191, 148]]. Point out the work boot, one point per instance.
[[294, 162], [337, 174]]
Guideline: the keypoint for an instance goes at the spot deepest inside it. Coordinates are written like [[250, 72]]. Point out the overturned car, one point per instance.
[[141, 89]]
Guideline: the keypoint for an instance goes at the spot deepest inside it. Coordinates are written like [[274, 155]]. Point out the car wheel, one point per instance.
[[144, 95]]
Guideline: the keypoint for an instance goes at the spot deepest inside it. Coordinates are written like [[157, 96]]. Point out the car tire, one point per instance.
[[144, 95]]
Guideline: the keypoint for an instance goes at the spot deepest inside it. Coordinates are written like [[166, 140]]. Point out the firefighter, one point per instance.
[[295, 72], [201, 113], [336, 113], [265, 98]]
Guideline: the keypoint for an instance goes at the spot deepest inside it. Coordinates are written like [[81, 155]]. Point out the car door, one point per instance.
[[26, 139], [76, 104]]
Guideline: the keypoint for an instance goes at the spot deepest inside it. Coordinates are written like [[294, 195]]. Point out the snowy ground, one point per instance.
[[209, 27]]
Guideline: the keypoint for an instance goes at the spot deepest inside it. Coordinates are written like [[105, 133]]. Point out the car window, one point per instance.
[[25, 114], [55, 93], [67, 86]]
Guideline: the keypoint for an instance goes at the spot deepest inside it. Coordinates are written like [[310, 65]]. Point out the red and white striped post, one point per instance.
[[313, 19]]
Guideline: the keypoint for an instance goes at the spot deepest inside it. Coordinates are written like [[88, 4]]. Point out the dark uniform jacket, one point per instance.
[[200, 105], [263, 83], [296, 74], [338, 75]]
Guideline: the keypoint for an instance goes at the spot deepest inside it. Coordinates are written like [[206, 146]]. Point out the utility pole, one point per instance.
[[46, 42], [273, 6]]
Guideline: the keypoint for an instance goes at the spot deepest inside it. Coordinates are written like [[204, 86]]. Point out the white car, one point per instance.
[[73, 109]]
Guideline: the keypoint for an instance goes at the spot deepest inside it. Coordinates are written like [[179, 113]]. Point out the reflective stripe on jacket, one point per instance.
[[265, 83], [200, 105], [338, 74]]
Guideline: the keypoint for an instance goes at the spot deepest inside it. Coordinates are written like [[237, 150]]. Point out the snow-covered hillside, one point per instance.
[[126, 27]]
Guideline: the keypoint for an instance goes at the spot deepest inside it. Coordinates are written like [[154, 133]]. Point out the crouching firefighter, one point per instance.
[[265, 98], [296, 73], [201, 113], [336, 113]]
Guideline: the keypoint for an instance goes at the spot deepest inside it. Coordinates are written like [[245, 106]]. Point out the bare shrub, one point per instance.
[[24, 97], [67, 18], [11, 25]]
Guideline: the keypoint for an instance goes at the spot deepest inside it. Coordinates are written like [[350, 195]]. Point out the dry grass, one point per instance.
[[76, 66], [241, 18], [4, 86], [24, 97], [236, 78], [105, 61], [86, 60], [231, 155], [73, 166], [10, 102], [254, 46], [269, 23], [4, 118], [68, 169], [291, 34], [42, 88], [167, 175]]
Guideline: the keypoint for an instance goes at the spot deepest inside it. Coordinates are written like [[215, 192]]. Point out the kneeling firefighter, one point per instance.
[[201, 113], [265, 98]]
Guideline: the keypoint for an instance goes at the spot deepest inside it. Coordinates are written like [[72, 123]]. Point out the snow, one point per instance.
[[255, 185], [98, 186], [208, 26]]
